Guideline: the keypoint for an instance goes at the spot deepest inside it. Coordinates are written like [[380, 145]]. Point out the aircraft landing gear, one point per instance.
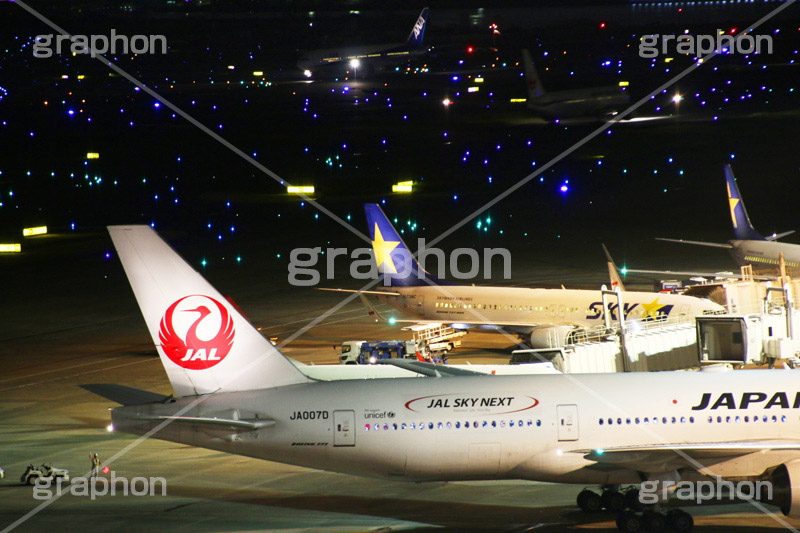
[[610, 500], [655, 522]]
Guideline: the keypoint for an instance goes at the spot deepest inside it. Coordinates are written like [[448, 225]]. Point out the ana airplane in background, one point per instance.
[[368, 59], [591, 102], [236, 393], [749, 247], [541, 317]]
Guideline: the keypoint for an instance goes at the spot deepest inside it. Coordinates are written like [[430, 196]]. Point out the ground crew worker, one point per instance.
[[95, 464]]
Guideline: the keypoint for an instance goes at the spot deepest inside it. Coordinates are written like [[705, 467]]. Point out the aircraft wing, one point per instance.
[[354, 291], [702, 274], [653, 457], [698, 243]]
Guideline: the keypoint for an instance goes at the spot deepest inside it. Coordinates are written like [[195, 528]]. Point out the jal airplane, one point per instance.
[[590, 102], [236, 393], [539, 316], [368, 58], [749, 247]]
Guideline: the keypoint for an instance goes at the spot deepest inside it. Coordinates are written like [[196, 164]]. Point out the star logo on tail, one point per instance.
[[383, 251]]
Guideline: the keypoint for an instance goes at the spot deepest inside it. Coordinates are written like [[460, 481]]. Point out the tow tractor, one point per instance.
[[45, 472]]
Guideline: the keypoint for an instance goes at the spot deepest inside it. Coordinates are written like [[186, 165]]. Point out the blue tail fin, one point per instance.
[[742, 228], [418, 31], [395, 261]]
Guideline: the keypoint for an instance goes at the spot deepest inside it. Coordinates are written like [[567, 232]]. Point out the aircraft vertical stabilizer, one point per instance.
[[742, 228], [205, 344], [535, 88], [418, 31]]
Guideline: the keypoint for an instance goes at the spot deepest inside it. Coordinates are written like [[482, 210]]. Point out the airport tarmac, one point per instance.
[[48, 349]]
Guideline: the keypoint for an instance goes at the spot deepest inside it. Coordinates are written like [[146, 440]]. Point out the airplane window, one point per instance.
[[421, 426], [386, 427], [412, 426], [494, 423], [502, 423], [673, 419], [747, 419], [376, 427], [366, 427], [610, 421], [736, 419], [636, 420], [664, 420], [449, 425], [691, 420], [765, 418], [601, 422], [628, 421], [458, 425], [683, 419], [439, 425], [727, 420], [783, 418], [538, 423], [774, 418], [485, 423], [394, 427], [719, 419], [710, 419], [403, 426], [511, 423], [430, 425], [619, 421], [655, 420], [646, 420]]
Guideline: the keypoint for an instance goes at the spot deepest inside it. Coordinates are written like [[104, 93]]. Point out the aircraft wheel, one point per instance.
[[589, 501], [654, 521], [632, 499], [630, 522], [612, 500], [680, 521]]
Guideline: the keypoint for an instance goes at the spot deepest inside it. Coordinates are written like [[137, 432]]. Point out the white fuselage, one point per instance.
[[766, 253], [522, 307], [498, 427]]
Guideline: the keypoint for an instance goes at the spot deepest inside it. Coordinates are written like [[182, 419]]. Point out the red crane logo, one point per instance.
[[208, 338]]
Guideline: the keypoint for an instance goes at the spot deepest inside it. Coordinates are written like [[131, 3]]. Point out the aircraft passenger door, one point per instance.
[[567, 422], [344, 428]]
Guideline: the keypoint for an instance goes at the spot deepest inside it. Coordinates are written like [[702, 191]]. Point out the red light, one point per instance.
[[469, 49], [106, 470], [602, 24], [733, 30]]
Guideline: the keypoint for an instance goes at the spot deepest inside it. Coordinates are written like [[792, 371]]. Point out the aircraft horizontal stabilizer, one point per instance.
[[354, 291], [777, 236], [429, 369], [124, 395], [724, 275], [212, 423], [698, 243]]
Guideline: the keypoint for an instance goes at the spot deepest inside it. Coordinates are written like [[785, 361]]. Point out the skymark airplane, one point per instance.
[[368, 58], [591, 102], [749, 247], [235, 392], [538, 316]]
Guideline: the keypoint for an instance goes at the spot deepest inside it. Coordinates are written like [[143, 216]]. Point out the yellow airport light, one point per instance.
[[30, 232], [478, 80], [92, 155], [305, 189], [10, 248], [403, 187], [518, 100], [81, 76], [258, 73], [668, 59], [231, 67], [624, 83], [65, 77], [473, 89]]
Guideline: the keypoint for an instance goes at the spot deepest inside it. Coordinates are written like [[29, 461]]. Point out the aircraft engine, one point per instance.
[[550, 336], [786, 488]]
